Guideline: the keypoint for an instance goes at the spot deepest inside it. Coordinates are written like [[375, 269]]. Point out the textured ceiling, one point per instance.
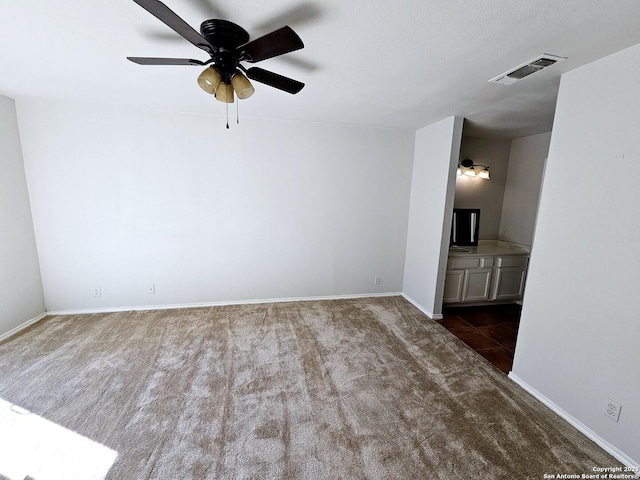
[[402, 64]]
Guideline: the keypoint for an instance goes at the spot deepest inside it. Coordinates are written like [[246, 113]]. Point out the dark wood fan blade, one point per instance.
[[274, 80], [165, 61], [173, 21], [283, 40]]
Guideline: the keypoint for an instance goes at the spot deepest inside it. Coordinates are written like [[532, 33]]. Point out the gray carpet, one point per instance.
[[352, 389]]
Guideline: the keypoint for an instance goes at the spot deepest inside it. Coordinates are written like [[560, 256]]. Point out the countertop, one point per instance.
[[489, 247]]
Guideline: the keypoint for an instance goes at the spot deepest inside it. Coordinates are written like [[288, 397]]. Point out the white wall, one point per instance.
[[486, 195], [522, 189], [124, 199], [437, 148], [580, 330], [21, 298]]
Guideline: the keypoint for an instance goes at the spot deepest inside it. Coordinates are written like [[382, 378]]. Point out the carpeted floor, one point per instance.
[[343, 389]]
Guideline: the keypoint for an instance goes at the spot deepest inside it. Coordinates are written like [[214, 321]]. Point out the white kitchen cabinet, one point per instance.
[[509, 277], [478, 279], [453, 286], [468, 279], [476, 285]]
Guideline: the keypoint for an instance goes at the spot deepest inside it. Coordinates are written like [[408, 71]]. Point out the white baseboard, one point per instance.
[[601, 442], [22, 326], [217, 304], [433, 316]]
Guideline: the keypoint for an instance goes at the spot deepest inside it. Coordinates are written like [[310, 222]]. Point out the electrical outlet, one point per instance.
[[612, 409], [97, 291], [376, 280], [151, 289]]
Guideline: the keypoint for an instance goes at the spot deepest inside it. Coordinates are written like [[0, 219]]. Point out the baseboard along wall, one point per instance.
[[577, 424], [218, 304], [22, 326], [431, 315]]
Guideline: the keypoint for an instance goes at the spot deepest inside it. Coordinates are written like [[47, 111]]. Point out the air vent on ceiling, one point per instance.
[[532, 66]]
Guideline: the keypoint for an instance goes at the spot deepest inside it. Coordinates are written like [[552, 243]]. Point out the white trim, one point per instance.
[[22, 326], [431, 315], [217, 304], [606, 446]]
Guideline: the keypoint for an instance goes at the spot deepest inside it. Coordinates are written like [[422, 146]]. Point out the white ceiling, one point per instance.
[[402, 64]]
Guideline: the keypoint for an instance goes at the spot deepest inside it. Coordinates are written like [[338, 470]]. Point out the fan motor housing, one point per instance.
[[224, 34]]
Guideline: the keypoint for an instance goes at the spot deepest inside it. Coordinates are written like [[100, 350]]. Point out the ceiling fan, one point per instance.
[[227, 44]]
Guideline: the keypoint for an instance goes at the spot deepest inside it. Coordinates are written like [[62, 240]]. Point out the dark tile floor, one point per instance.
[[489, 330]]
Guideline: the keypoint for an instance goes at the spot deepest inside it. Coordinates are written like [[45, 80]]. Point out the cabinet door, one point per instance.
[[453, 286], [509, 283], [476, 285]]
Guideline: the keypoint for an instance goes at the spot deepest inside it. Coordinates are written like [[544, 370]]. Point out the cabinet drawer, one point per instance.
[[464, 262], [486, 262], [469, 262], [512, 261]]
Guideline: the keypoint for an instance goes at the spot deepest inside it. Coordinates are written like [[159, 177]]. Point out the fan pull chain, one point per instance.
[[227, 115], [238, 112]]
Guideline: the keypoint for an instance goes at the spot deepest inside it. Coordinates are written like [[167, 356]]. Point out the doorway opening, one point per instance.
[[489, 330]]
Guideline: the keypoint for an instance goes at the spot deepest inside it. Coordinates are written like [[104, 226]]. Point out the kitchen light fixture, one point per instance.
[[484, 173], [467, 167]]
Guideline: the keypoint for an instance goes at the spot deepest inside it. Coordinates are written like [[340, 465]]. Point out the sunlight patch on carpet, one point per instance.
[[34, 447]]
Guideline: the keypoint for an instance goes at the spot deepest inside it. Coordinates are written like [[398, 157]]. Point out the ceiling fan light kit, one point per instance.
[[224, 93], [209, 80], [227, 44], [242, 86]]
